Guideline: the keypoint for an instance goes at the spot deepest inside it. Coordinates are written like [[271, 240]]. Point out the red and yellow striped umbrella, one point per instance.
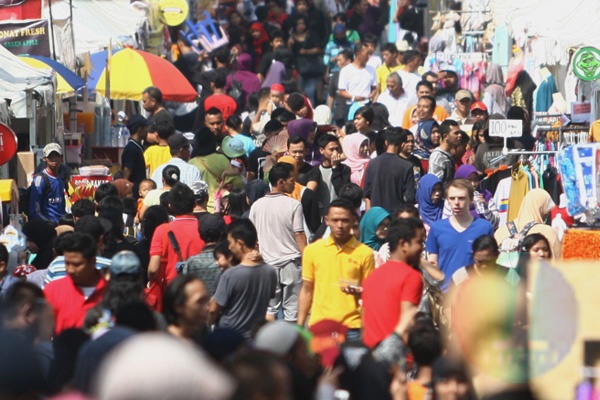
[[132, 71]]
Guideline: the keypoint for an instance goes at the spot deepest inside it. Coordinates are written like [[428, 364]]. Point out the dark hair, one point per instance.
[[285, 116], [222, 248], [370, 38], [175, 296], [112, 237], [403, 229], [431, 74], [446, 127], [237, 203], [349, 127], [153, 217], [19, 294], [275, 33], [428, 85], [171, 175], [410, 55], [213, 111], [273, 126], [325, 139], [393, 136], [353, 193], [485, 242], [358, 47], [264, 93], [222, 53], [298, 19], [79, 242], [464, 138], [215, 233], [431, 100], [341, 16], [261, 13], [424, 342], [243, 229], [277, 112], [154, 93], [110, 202], [3, 253], [164, 129], [295, 139], [66, 219], [181, 199], [136, 315], [295, 102], [404, 135], [219, 81], [104, 190], [381, 117], [530, 240], [129, 206], [83, 207], [59, 241], [256, 372], [406, 208], [342, 203], [391, 47], [121, 290], [234, 122], [348, 54], [280, 171]]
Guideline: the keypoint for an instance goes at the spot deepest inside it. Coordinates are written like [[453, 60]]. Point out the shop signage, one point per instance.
[[174, 12], [19, 10], [26, 37], [8, 143], [586, 64], [581, 112], [506, 127]]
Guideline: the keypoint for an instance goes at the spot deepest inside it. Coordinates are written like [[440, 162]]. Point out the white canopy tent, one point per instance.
[[96, 22]]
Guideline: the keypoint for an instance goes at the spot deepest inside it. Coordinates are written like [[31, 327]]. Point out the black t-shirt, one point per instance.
[[133, 158], [256, 162], [303, 171]]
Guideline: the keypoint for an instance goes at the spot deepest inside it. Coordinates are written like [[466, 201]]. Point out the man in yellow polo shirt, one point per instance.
[[160, 153], [389, 52], [333, 270]]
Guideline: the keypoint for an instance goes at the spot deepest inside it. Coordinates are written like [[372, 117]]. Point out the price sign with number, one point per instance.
[[506, 127]]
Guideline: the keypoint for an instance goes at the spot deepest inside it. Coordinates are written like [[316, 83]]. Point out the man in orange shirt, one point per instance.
[[219, 99], [424, 88]]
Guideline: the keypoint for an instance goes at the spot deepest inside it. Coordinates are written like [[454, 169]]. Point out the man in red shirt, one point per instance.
[[393, 291], [219, 99], [163, 257], [82, 289]]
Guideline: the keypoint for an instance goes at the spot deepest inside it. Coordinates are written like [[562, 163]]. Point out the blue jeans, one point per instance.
[[309, 85]]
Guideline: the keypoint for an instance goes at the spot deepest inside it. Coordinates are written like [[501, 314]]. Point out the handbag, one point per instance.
[[310, 65]]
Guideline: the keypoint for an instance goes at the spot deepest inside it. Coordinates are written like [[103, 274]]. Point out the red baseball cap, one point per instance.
[[277, 88], [479, 105]]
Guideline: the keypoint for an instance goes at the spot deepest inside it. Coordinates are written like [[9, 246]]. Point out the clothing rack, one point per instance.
[[506, 153]]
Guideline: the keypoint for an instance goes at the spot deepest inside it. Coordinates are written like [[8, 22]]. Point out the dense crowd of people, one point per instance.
[[318, 228]]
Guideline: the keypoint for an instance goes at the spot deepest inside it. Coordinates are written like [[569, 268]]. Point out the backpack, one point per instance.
[[511, 246], [236, 91], [25, 196]]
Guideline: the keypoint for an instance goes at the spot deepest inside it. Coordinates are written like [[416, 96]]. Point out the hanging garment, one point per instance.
[[518, 190], [501, 198], [543, 99]]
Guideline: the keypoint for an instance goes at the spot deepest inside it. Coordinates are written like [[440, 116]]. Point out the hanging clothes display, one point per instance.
[[543, 98], [470, 68]]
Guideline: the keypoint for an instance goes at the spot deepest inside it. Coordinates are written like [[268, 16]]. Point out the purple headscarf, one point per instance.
[[276, 74], [463, 172], [303, 127]]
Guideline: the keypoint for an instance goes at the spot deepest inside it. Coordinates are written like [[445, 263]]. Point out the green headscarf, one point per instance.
[[368, 226]]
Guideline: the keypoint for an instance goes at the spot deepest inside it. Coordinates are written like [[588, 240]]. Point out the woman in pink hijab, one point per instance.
[[356, 149]]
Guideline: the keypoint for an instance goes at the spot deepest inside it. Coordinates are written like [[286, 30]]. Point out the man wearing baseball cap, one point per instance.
[[47, 199], [479, 112], [180, 148], [462, 113]]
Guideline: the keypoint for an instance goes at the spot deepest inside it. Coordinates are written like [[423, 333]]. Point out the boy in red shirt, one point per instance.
[[393, 291], [82, 289]]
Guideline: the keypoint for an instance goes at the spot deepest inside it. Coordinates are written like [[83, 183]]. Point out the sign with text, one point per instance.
[[581, 112], [20, 10], [506, 127], [8, 144], [28, 37]]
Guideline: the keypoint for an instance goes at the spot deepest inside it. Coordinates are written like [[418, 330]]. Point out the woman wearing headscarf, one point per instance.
[[429, 199], [484, 196], [374, 227], [536, 207], [424, 144], [494, 96], [244, 75], [260, 41], [308, 198], [356, 150], [40, 236]]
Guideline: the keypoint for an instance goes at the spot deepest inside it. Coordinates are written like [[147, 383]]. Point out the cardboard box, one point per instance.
[[26, 163]]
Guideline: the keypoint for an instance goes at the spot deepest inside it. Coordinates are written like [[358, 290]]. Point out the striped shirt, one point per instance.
[[57, 269]]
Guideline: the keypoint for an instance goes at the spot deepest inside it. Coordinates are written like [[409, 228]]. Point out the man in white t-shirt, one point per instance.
[[394, 99], [357, 80]]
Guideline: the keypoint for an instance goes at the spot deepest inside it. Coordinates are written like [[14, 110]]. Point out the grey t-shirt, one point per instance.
[[243, 293], [276, 230]]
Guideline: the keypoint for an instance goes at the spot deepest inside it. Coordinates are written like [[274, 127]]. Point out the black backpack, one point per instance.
[[235, 91], [25, 195]]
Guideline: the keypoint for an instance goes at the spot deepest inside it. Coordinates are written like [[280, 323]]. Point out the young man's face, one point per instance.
[[463, 106], [413, 249], [287, 185], [424, 109], [389, 58], [81, 270], [214, 123], [53, 161], [332, 149], [235, 247], [459, 200], [423, 91], [453, 137], [195, 309], [340, 221], [277, 43], [342, 61], [276, 98], [298, 152], [148, 103]]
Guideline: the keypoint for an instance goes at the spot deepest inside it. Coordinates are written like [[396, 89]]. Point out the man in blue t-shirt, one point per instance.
[[48, 203], [450, 241]]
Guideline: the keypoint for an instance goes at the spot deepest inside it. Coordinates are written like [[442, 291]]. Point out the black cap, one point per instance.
[[136, 122], [93, 225], [177, 141], [211, 222]]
